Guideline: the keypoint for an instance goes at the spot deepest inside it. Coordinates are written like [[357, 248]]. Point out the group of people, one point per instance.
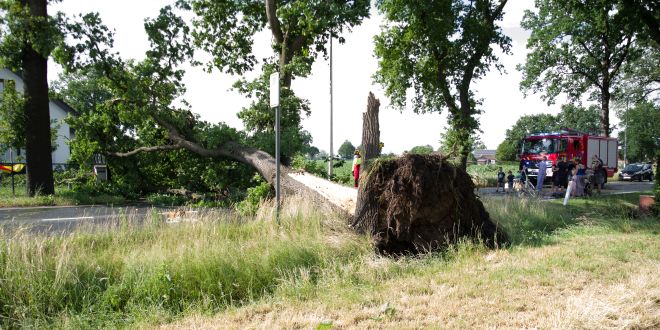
[[564, 174]]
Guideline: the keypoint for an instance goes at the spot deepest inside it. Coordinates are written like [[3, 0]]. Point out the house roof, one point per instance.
[[483, 152], [64, 106]]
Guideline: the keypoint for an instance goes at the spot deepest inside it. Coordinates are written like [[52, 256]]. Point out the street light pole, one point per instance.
[[625, 137], [275, 103], [331, 151]]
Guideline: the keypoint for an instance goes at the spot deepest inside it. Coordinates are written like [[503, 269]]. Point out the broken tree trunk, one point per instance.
[[370, 133]]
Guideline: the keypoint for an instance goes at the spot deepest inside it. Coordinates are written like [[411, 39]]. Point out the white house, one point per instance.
[[58, 111]]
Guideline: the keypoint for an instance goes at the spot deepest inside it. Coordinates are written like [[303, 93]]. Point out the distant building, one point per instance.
[[58, 111], [484, 156]]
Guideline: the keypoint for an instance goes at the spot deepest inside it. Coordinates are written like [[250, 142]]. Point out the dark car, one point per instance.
[[637, 171]]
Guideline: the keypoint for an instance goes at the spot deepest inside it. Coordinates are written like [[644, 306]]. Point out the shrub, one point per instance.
[[255, 196]]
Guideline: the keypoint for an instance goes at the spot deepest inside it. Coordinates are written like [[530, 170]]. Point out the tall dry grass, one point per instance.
[[130, 272]]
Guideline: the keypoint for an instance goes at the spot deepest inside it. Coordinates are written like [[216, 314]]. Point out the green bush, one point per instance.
[[255, 196]]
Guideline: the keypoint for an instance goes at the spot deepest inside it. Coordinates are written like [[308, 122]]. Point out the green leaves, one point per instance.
[[438, 48], [20, 28], [12, 118], [579, 48], [571, 116]]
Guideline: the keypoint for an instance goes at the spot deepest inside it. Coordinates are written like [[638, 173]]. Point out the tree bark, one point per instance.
[[260, 160], [370, 132], [37, 117], [605, 110], [370, 150]]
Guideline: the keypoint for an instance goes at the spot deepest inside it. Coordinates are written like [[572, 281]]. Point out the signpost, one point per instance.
[[275, 103], [331, 151]]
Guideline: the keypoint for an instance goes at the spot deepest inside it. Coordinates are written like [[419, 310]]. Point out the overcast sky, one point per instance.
[[354, 64]]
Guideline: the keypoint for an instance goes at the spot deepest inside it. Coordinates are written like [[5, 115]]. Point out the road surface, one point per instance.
[[62, 219], [611, 188]]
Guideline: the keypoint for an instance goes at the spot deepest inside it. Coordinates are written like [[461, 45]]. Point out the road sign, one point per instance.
[[275, 90]]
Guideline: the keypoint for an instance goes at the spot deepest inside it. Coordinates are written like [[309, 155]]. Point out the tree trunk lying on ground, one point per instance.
[[410, 204], [419, 203]]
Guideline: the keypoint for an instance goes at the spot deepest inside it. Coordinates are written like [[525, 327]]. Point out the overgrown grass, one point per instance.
[[131, 273], [312, 271], [486, 175], [62, 197]]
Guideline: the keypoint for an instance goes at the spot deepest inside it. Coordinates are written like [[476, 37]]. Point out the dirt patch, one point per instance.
[[418, 203]]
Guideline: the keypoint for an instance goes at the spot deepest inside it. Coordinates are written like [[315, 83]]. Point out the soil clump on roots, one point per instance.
[[418, 203]]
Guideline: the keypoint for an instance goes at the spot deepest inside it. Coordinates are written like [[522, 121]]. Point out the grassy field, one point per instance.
[[63, 197], [486, 175], [593, 264]]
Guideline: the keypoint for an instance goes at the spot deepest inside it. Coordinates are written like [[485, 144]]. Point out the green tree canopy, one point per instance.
[[28, 37], [525, 125], [146, 111], [346, 150], [578, 48], [422, 150], [643, 132], [571, 117], [437, 48]]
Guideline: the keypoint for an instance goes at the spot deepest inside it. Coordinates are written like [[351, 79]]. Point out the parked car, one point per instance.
[[637, 171]]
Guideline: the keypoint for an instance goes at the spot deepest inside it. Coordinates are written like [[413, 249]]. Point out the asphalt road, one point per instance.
[[62, 219], [611, 188]]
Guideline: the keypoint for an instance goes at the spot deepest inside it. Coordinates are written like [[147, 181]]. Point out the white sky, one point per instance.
[[353, 65]]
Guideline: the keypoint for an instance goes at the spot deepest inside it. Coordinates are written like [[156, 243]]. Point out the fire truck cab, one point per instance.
[[570, 144]]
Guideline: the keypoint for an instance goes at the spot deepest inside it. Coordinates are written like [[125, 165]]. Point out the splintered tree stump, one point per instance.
[[370, 132], [419, 203]]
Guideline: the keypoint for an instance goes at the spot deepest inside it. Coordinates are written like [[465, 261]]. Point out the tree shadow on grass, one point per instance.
[[533, 222]]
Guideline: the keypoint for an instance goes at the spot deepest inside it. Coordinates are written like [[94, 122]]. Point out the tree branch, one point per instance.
[[623, 57], [145, 149], [273, 22]]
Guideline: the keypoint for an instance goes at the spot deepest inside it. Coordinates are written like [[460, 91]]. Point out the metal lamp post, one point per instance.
[[331, 151], [275, 103]]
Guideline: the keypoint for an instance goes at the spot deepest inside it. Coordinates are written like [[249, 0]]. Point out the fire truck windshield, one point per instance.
[[538, 146]]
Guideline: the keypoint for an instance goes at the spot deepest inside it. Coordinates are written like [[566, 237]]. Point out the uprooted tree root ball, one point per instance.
[[418, 203]]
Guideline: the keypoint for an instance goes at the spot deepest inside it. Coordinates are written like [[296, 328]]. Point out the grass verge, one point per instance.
[[590, 265]]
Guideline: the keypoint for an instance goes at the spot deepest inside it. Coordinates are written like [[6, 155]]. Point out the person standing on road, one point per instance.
[[562, 173], [500, 180], [597, 167], [579, 177], [509, 179], [357, 161], [541, 175]]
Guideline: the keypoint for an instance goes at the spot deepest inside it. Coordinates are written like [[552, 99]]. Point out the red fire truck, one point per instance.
[[571, 145]]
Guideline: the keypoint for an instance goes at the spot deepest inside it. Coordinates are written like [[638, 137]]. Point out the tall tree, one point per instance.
[[525, 125], [346, 150], [150, 113], [571, 117], [641, 131], [579, 118], [300, 30], [577, 48], [648, 12], [439, 48], [29, 37], [422, 150]]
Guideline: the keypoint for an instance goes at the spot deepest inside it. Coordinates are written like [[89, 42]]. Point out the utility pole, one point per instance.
[[625, 136], [331, 151], [275, 103]]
